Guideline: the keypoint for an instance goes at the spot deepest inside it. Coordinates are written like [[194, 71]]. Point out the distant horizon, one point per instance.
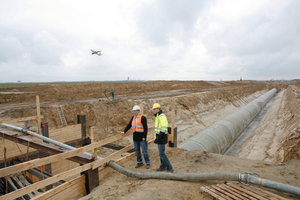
[[143, 81]]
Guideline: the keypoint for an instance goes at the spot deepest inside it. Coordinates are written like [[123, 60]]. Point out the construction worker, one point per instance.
[[139, 126], [161, 137]]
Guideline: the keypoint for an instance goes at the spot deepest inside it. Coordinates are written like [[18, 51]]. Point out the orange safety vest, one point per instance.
[[138, 127]]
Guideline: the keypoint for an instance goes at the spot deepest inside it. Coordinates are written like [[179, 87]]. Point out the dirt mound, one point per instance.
[[61, 92], [290, 126]]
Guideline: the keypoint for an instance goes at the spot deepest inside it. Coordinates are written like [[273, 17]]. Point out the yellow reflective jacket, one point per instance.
[[161, 128]]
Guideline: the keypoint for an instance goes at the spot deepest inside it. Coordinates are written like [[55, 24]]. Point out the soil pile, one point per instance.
[[60, 92]]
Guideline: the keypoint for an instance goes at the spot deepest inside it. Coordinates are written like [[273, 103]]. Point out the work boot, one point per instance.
[[148, 166], [160, 169], [171, 170], [139, 165]]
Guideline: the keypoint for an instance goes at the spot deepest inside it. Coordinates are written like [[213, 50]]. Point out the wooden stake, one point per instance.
[[94, 140], [38, 110], [142, 109], [173, 126]]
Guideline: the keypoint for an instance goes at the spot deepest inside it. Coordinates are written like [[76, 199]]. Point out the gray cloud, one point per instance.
[[168, 40], [162, 19]]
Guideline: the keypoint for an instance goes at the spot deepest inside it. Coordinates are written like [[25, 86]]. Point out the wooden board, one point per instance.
[[237, 191], [21, 119], [72, 188], [38, 162], [66, 134], [13, 150]]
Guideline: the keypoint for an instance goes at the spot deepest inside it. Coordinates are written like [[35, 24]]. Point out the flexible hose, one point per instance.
[[245, 178]]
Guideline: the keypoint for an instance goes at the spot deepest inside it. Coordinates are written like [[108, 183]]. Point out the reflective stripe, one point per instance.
[[161, 124], [137, 126]]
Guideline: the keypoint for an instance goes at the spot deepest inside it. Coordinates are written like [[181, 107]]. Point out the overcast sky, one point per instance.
[[51, 40]]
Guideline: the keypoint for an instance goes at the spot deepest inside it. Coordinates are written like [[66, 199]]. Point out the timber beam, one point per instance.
[[41, 146], [41, 174]]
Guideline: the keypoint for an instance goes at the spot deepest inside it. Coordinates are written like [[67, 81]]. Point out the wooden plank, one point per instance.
[[228, 192], [105, 170], [212, 193], [237, 192], [38, 111], [256, 190], [12, 150], [142, 109], [38, 162], [60, 188], [70, 192], [221, 194], [67, 133], [94, 140], [73, 191], [46, 182], [20, 119], [97, 163], [263, 195], [62, 166], [243, 191], [41, 146]]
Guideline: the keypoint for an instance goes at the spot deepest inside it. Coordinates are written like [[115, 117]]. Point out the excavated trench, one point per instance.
[[194, 111]]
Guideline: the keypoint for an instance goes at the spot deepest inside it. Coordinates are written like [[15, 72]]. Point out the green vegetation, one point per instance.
[[15, 85]]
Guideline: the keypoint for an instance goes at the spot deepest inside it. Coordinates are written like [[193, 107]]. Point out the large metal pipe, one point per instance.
[[60, 144], [244, 177], [218, 137]]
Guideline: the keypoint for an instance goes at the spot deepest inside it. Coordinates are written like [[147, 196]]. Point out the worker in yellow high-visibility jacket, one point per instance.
[[161, 137]]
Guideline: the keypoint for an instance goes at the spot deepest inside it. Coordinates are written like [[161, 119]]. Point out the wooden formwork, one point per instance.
[[64, 134], [72, 188], [80, 178]]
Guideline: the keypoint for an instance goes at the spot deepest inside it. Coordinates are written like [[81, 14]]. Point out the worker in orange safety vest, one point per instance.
[[138, 124]]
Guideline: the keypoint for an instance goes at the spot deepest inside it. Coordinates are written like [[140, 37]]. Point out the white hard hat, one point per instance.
[[136, 108]]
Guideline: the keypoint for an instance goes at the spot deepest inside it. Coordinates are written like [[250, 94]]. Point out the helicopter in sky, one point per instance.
[[96, 52]]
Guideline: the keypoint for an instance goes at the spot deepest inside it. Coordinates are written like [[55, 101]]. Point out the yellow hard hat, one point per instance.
[[156, 105]]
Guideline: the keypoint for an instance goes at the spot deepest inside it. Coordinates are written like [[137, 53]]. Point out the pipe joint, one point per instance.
[[244, 178]]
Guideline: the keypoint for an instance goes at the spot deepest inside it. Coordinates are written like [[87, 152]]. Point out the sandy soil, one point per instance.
[[272, 151]]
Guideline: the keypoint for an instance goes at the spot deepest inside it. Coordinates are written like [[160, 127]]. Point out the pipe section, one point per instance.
[[60, 144], [244, 178], [218, 137]]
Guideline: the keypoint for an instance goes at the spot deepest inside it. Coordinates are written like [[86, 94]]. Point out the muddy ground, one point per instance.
[[273, 151]]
